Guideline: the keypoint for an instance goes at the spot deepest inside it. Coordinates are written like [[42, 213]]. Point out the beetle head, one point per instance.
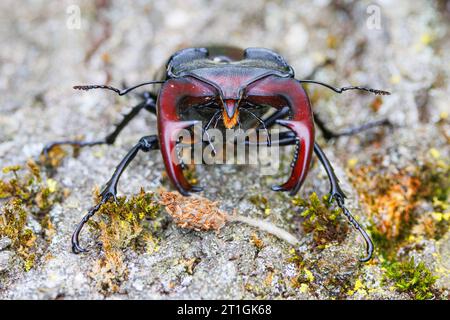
[[228, 72], [229, 85]]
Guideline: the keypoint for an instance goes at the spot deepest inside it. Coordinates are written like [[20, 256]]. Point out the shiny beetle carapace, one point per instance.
[[231, 87]]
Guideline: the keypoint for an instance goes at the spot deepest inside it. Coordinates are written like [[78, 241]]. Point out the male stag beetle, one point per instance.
[[235, 86]]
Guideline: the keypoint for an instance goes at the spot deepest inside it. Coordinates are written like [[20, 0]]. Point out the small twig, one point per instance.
[[267, 227]]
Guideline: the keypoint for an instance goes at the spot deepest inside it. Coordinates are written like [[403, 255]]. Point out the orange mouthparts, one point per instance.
[[230, 113]]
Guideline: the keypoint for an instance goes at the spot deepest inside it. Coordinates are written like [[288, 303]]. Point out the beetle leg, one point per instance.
[[335, 189], [336, 193], [329, 134], [148, 103], [279, 114], [145, 144]]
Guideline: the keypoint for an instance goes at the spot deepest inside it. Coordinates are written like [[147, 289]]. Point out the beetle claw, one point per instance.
[[357, 226], [107, 193], [76, 248], [337, 195]]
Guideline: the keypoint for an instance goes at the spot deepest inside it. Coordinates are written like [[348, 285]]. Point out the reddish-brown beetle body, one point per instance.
[[237, 87], [260, 77]]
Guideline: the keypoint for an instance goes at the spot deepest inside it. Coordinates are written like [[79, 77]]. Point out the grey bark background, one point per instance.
[[400, 46]]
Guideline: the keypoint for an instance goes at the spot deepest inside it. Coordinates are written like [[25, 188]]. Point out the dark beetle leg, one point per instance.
[[288, 138], [337, 193], [145, 144], [279, 114], [329, 134], [335, 190], [148, 103]]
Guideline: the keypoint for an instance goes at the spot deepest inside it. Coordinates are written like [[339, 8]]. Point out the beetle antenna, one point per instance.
[[357, 226], [118, 91], [340, 90]]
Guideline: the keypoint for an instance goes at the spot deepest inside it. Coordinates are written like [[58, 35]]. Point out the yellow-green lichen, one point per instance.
[[320, 219], [128, 223], [25, 193]]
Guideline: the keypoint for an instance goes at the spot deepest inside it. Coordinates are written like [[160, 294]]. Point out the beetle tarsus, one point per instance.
[[148, 104], [46, 150], [357, 226], [76, 248]]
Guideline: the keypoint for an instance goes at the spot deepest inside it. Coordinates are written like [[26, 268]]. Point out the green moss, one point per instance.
[[320, 219], [190, 174], [436, 189], [13, 220], [128, 223], [25, 192], [435, 177], [414, 279]]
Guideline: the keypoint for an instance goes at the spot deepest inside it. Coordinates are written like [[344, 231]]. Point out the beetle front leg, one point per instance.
[[149, 104], [337, 194], [335, 189], [145, 144]]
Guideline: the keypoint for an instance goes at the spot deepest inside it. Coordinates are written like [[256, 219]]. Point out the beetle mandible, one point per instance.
[[235, 86]]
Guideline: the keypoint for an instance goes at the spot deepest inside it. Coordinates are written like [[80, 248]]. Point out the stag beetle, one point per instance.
[[230, 82]]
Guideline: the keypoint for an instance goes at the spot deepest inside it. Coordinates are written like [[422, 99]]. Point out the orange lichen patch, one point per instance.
[[390, 199], [26, 192], [394, 198], [230, 123], [195, 213]]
